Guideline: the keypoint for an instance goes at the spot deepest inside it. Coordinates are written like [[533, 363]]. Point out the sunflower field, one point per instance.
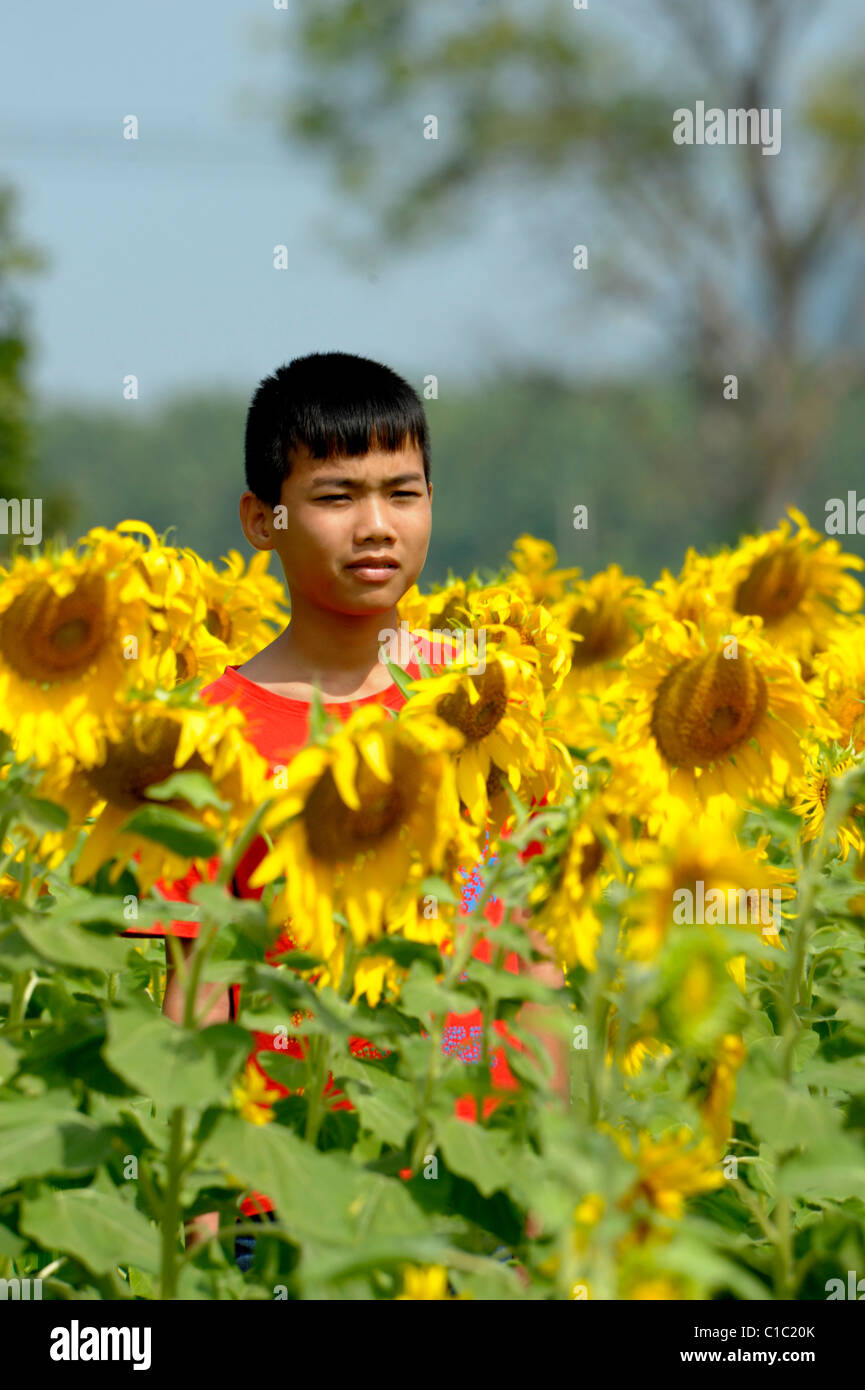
[[635, 770]]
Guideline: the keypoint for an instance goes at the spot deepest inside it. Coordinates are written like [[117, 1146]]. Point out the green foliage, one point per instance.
[[117, 1125]]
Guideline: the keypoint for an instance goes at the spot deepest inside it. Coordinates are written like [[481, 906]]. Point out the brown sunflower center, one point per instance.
[[48, 638], [143, 757], [479, 719], [452, 612], [590, 862], [218, 622], [604, 630], [495, 781], [707, 707], [336, 833], [187, 664], [774, 587]]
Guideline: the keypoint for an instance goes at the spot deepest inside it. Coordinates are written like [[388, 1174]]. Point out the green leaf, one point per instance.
[[73, 946], [9, 1059], [773, 1046], [485, 1156], [288, 1071], [782, 1115], [323, 1196], [438, 888], [175, 831], [400, 679], [11, 1246], [845, 1075], [194, 787], [384, 1102], [71, 1146], [174, 1065], [826, 1171], [40, 815], [502, 984], [98, 1229], [422, 996], [405, 953], [297, 960]]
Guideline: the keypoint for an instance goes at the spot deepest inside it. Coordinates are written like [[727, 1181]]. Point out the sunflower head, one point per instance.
[[797, 583], [535, 571]]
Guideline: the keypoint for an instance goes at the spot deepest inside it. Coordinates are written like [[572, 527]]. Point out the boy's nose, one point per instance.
[[374, 523]]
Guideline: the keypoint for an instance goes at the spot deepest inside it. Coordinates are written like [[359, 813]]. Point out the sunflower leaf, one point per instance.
[[193, 787], [100, 1230], [400, 679], [440, 889], [175, 831]]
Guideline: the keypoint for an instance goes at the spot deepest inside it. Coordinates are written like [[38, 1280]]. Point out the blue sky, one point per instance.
[[161, 249]]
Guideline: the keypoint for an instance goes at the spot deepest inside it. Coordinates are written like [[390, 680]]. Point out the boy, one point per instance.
[[338, 483]]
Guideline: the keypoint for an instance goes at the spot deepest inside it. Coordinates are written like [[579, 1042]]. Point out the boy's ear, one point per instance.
[[256, 519]]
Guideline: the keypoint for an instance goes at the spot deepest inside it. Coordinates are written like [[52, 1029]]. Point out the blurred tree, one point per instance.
[[733, 251], [17, 449]]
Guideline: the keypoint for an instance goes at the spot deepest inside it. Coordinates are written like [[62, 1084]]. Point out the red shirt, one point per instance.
[[279, 727]]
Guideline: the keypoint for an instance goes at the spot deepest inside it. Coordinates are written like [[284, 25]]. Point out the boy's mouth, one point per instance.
[[374, 568]]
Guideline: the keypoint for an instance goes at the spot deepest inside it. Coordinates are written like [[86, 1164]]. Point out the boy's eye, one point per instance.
[[341, 496]]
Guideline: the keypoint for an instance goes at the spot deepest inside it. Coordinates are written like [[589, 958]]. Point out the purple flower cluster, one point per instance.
[[452, 1043], [473, 881]]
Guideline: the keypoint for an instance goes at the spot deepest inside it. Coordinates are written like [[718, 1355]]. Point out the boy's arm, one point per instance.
[[534, 1017], [175, 996], [198, 1228]]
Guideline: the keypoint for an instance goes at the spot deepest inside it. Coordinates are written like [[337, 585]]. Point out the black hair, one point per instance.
[[334, 403]]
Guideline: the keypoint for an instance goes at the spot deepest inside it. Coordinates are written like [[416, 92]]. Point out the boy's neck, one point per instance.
[[337, 652]]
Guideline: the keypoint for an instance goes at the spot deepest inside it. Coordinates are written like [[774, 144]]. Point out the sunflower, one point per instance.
[[534, 562], [811, 792], [156, 739], [566, 900], [74, 636], [839, 675], [655, 1287], [634, 1052], [177, 604], [253, 1097], [671, 1169], [710, 710], [603, 617], [692, 592], [527, 630], [715, 1109], [243, 605], [500, 715], [360, 822], [427, 1282], [797, 583], [438, 611], [698, 852]]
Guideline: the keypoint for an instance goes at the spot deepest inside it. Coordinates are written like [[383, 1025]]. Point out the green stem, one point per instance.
[[462, 954], [150, 1193], [596, 1053], [319, 1056], [171, 1207], [784, 1264]]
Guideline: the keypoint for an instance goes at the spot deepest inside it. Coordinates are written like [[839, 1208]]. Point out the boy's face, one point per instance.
[[333, 513]]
